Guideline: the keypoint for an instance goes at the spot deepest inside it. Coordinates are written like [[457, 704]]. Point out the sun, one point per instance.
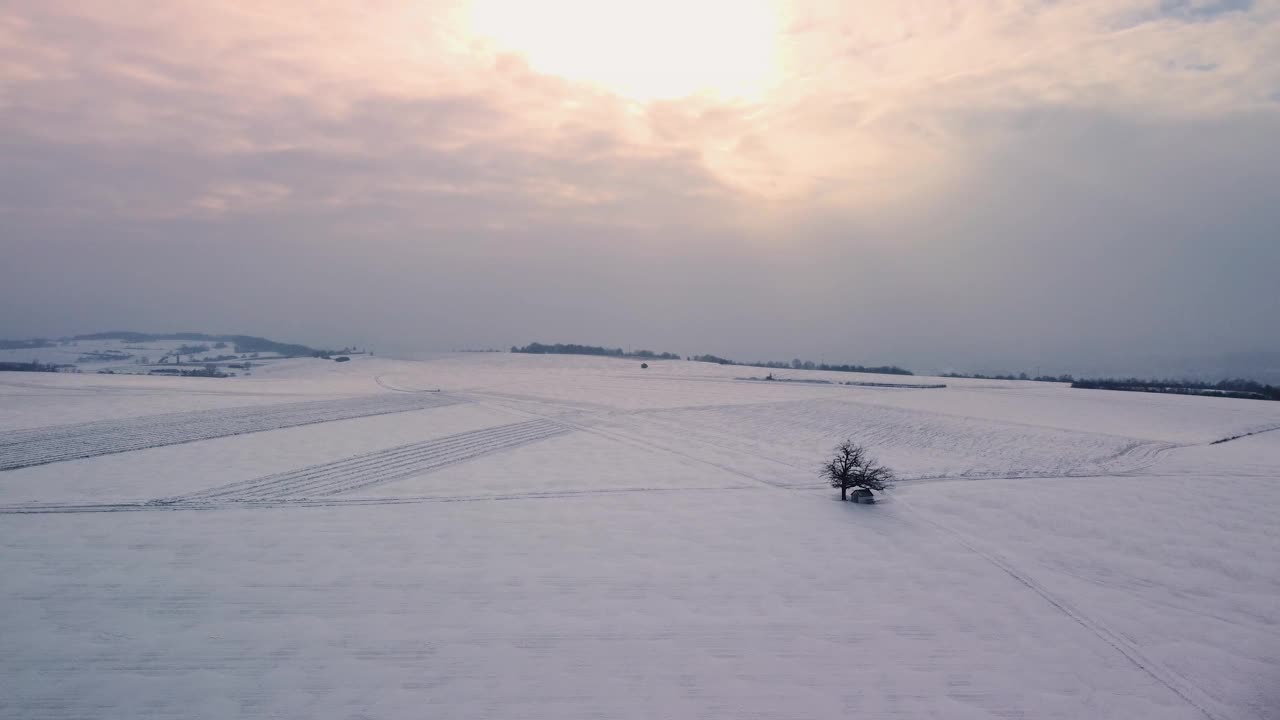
[[642, 49]]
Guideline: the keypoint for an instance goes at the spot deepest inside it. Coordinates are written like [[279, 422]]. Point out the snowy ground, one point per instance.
[[568, 537]]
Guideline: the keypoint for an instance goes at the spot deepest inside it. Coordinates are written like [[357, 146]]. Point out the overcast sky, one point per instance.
[[966, 184]]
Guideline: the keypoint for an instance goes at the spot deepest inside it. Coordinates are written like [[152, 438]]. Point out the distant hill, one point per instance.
[[242, 343], [25, 344]]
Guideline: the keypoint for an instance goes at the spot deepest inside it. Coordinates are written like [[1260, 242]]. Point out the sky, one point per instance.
[[977, 184]]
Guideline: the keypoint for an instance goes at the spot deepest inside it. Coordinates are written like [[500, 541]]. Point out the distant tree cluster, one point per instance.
[[33, 366], [104, 356], [571, 349], [1019, 376], [711, 359], [651, 355], [209, 370], [251, 344], [329, 354], [191, 350], [798, 364], [1233, 388]]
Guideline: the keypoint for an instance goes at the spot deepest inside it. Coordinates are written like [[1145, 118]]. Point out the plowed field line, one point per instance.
[[40, 446], [376, 468]]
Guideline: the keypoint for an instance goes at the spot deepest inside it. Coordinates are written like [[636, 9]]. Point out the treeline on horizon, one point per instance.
[[571, 349], [1010, 376], [797, 364], [33, 366], [1233, 388]]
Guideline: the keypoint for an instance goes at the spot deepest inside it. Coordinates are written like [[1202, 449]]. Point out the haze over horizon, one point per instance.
[[977, 185]]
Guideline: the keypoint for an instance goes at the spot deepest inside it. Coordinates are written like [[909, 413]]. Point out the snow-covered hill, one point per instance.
[[146, 354], [493, 535]]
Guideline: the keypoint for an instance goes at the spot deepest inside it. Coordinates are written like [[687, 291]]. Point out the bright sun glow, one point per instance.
[[643, 50]]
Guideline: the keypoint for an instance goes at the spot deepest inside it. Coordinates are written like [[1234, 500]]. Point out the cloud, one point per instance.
[[1202, 10], [934, 180]]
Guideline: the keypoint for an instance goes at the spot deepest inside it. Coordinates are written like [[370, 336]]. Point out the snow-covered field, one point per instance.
[[568, 537]]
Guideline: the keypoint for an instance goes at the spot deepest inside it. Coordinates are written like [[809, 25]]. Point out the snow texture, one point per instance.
[[568, 537]]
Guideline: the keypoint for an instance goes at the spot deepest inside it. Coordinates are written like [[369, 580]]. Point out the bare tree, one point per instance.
[[853, 468]]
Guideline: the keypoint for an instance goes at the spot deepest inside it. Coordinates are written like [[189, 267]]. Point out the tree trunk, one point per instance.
[[844, 493]]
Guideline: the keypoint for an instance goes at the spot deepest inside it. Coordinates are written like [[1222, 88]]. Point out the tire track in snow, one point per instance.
[[1129, 461], [376, 468], [648, 444], [645, 444], [954, 447], [1244, 435], [382, 383], [1184, 689], [40, 446]]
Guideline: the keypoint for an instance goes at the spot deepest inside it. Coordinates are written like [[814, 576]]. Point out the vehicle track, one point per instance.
[[376, 468], [382, 383], [1181, 687], [40, 446], [1245, 435]]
